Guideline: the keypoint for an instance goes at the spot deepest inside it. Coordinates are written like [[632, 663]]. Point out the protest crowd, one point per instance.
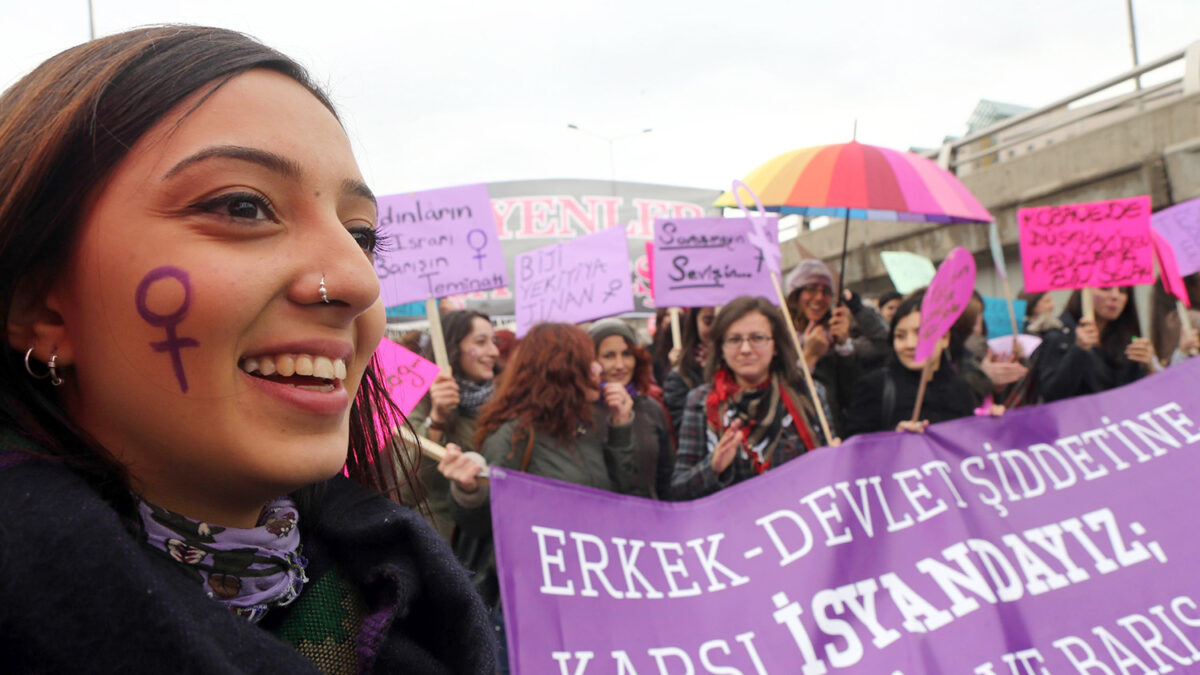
[[728, 402]]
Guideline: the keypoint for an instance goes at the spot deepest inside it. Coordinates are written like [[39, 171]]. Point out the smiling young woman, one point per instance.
[[187, 285], [623, 361], [885, 398], [752, 416]]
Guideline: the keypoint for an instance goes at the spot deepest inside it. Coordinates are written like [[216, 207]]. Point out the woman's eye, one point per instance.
[[238, 206], [368, 240]]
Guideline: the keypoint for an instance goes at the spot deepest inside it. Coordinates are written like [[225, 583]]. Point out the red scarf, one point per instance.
[[761, 411]]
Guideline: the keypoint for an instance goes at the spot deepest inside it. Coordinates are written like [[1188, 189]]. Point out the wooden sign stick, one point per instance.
[[812, 388], [1012, 315], [435, 334], [926, 376], [676, 340], [1186, 329], [1088, 304], [432, 450]]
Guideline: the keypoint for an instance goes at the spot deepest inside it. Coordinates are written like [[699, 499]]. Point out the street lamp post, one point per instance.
[[611, 140]]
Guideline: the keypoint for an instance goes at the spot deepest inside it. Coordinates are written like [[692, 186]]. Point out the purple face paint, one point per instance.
[[173, 343]]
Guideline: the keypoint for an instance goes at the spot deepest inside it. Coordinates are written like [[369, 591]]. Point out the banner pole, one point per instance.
[[1088, 304], [435, 334], [676, 340], [812, 387]]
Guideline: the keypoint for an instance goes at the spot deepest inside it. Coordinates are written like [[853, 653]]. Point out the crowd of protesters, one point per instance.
[[593, 406]]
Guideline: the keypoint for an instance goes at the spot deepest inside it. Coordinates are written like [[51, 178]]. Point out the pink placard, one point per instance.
[[1094, 244], [438, 243], [406, 375], [1168, 269], [710, 261], [947, 297], [577, 280]]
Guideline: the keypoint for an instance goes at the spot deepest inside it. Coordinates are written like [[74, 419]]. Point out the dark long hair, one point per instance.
[[63, 129], [456, 326], [784, 361], [688, 343]]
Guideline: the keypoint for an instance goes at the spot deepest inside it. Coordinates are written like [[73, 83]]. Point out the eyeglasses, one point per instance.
[[757, 340], [815, 289]]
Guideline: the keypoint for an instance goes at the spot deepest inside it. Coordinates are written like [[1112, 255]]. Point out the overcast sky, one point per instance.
[[444, 93]]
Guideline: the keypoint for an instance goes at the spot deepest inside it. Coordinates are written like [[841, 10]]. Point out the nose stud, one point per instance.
[[323, 291]]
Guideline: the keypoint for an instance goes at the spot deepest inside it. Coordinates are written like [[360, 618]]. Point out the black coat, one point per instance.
[[947, 397], [1064, 369], [81, 592]]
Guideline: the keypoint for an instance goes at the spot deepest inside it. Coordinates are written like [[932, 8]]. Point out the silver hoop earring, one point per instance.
[[324, 293], [51, 368], [29, 368], [54, 378]]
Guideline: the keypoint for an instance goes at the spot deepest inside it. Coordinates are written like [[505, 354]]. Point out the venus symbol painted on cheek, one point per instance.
[[173, 343]]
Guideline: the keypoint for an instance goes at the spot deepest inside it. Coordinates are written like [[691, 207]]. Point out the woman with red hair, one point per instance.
[[541, 421]]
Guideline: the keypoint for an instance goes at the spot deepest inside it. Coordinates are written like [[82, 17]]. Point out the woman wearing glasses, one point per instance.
[[751, 416], [837, 348]]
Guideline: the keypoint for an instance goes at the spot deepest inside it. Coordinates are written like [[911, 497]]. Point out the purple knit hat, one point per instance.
[[810, 271]]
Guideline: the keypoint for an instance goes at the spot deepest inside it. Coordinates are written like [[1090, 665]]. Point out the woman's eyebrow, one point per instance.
[[279, 164], [358, 188]]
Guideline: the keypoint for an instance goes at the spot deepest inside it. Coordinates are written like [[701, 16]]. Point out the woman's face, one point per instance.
[[905, 340], [616, 358], [747, 354], [1045, 305], [204, 355], [888, 310], [478, 352], [704, 324], [1109, 302], [815, 299]]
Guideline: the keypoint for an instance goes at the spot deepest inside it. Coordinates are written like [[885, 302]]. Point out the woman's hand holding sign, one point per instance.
[[460, 468]]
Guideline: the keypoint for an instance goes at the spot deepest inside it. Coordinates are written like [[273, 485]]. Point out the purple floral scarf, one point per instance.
[[248, 570]]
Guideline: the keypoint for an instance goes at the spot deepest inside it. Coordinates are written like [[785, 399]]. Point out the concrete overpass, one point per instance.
[[1076, 149]]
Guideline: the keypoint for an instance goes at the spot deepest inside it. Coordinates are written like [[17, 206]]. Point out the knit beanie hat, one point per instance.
[[810, 271], [608, 327]]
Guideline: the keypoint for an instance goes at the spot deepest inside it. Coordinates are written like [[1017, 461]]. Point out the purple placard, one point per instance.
[[581, 279], [1180, 226], [1043, 537], [438, 243], [710, 261]]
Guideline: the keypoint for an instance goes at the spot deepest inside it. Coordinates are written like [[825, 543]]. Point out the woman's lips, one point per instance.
[[332, 399]]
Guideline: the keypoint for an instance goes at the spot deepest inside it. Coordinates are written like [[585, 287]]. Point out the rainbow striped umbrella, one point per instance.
[[862, 182]]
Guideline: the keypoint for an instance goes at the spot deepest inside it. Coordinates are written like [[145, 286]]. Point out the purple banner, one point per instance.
[[710, 261], [438, 243], [1055, 539], [1180, 226], [585, 278]]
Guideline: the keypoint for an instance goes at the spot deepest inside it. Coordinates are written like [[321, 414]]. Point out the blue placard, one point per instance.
[[995, 315], [409, 309]]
